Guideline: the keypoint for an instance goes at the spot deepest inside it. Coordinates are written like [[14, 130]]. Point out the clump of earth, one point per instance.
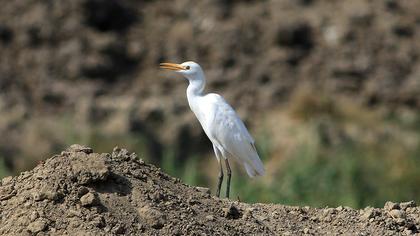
[[80, 192]]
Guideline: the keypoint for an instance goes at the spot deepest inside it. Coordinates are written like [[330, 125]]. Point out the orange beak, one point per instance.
[[171, 66]]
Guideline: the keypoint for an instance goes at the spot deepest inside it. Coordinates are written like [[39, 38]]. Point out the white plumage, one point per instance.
[[220, 122]]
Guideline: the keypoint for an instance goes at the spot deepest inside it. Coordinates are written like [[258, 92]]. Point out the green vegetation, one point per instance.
[[3, 170]]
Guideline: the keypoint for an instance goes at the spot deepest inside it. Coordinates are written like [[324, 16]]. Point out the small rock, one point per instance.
[[80, 148], [53, 196], [231, 212], [116, 149], [391, 205], [87, 169], [405, 205], [120, 154], [6, 180], [397, 214], [327, 219], [37, 226], [34, 215], [400, 221], [82, 191], [153, 217], [306, 231], [89, 199], [329, 211], [368, 213], [74, 212], [43, 194], [210, 217], [408, 232], [38, 196], [203, 190], [339, 208], [248, 213]]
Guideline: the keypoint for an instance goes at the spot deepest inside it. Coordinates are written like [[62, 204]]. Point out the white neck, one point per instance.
[[196, 87]]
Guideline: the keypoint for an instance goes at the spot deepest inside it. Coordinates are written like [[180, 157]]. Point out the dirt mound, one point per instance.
[[80, 192]]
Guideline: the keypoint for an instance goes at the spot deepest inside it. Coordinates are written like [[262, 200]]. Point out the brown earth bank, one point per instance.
[[79, 192]]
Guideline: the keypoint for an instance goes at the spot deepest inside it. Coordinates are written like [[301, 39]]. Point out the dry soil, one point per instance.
[[79, 192]]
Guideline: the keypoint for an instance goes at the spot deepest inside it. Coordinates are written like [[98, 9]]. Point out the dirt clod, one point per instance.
[[405, 205], [203, 190], [210, 217], [391, 206], [89, 199], [85, 193], [368, 213], [79, 148], [231, 212], [153, 217], [397, 214], [37, 226]]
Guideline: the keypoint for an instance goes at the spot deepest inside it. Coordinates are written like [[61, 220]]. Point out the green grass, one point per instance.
[[3, 170]]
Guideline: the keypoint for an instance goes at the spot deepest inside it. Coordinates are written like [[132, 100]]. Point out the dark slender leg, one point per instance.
[[219, 184], [229, 174]]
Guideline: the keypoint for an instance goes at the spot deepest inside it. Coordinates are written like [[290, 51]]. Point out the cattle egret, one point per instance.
[[221, 124]]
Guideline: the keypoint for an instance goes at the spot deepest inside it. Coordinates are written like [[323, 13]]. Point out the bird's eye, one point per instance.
[[187, 67]]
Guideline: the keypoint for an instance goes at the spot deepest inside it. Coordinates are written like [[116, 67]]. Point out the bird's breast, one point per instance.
[[204, 113]]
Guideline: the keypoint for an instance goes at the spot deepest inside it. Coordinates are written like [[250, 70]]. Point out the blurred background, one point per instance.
[[329, 89]]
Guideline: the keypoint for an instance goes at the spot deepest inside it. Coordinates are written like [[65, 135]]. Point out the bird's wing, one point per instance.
[[230, 133]]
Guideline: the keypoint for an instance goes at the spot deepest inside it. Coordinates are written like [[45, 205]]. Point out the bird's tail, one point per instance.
[[254, 167]]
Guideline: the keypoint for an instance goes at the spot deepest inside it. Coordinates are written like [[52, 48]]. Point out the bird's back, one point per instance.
[[226, 130]]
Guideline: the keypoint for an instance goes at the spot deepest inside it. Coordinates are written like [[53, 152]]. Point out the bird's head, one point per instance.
[[189, 69]]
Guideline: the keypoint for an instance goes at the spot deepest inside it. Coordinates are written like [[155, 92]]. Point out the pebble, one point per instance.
[[408, 232], [34, 215], [248, 213], [210, 217], [405, 205], [89, 199], [203, 190], [153, 217], [397, 214], [368, 213], [391, 205], [7, 180], [42, 195], [37, 226], [80, 148], [82, 191]]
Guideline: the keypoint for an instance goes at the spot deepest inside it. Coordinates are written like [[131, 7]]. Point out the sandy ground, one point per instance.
[[79, 192]]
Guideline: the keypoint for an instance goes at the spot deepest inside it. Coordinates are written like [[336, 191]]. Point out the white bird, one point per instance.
[[223, 127]]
